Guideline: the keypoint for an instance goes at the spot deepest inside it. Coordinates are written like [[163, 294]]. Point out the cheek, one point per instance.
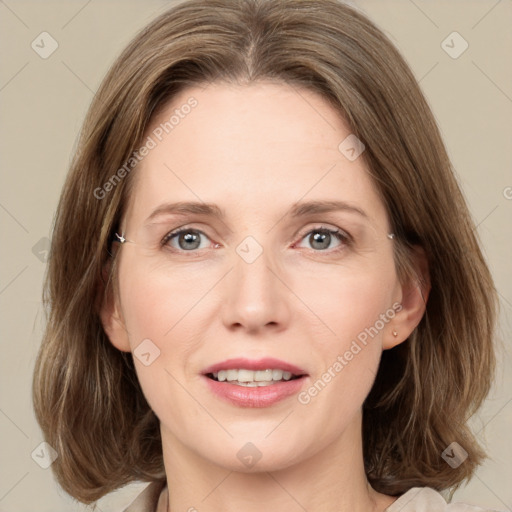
[[336, 310], [347, 300], [335, 305], [158, 309], [157, 298], [354, 309]]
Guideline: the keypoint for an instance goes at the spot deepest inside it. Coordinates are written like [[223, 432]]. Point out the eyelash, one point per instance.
[[342, 236]]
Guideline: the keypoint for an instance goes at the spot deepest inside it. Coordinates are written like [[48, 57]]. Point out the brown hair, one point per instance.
[[86, 394]]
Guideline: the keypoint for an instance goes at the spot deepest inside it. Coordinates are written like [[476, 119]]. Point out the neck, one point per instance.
[[331, 479]]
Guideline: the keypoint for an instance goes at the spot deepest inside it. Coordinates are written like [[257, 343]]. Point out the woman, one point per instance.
[[263, 273]]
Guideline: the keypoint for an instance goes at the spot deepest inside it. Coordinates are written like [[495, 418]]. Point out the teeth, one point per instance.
[[253, 384], [252, 378], [262, 376], [231, 375]]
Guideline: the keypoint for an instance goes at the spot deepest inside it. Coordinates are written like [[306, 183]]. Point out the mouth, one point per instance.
[[253, 378], [250, 383]]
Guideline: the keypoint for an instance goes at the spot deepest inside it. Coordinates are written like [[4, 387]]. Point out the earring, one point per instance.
[[121, 238], [395, 334], [391, 236]]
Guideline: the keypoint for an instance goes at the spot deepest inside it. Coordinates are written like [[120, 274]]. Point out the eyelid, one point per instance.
[[178, 231], [324, 227], [343, 237]]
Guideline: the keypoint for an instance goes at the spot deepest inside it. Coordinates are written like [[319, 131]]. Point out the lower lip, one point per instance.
[[262, 396]]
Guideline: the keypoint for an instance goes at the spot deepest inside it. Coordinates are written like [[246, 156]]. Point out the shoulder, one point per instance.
[[147, 500], [425, 499]]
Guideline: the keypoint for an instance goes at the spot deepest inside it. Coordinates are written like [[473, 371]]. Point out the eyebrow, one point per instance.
[[299, 209]]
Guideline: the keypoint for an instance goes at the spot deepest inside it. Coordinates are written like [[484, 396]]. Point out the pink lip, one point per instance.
[[260, 364], [264, 396]]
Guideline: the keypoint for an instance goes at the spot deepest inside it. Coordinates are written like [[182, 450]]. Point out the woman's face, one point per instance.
[[259, 274]]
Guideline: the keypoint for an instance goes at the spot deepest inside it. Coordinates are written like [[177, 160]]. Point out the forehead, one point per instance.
[[249, 145]]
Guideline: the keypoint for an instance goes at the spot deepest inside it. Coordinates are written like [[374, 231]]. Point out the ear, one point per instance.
[[414, 296], [111, 316]]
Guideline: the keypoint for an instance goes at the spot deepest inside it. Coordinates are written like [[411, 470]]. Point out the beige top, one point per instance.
[[417, 499]]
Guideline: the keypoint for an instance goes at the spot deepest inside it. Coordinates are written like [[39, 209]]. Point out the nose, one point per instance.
[[256, 296]]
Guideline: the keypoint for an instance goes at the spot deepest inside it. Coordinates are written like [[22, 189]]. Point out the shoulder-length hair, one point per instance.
[[86, 395]]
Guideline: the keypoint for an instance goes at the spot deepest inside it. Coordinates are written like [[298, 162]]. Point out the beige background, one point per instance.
[[43, 102]]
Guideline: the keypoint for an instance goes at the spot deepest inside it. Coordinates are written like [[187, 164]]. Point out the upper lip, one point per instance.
[[254, 364]]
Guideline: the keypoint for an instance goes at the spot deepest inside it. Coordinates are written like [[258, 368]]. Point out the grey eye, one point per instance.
[[186, 239], [320, 239]]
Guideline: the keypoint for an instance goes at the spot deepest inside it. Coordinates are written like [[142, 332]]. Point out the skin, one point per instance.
[[255, 150]]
